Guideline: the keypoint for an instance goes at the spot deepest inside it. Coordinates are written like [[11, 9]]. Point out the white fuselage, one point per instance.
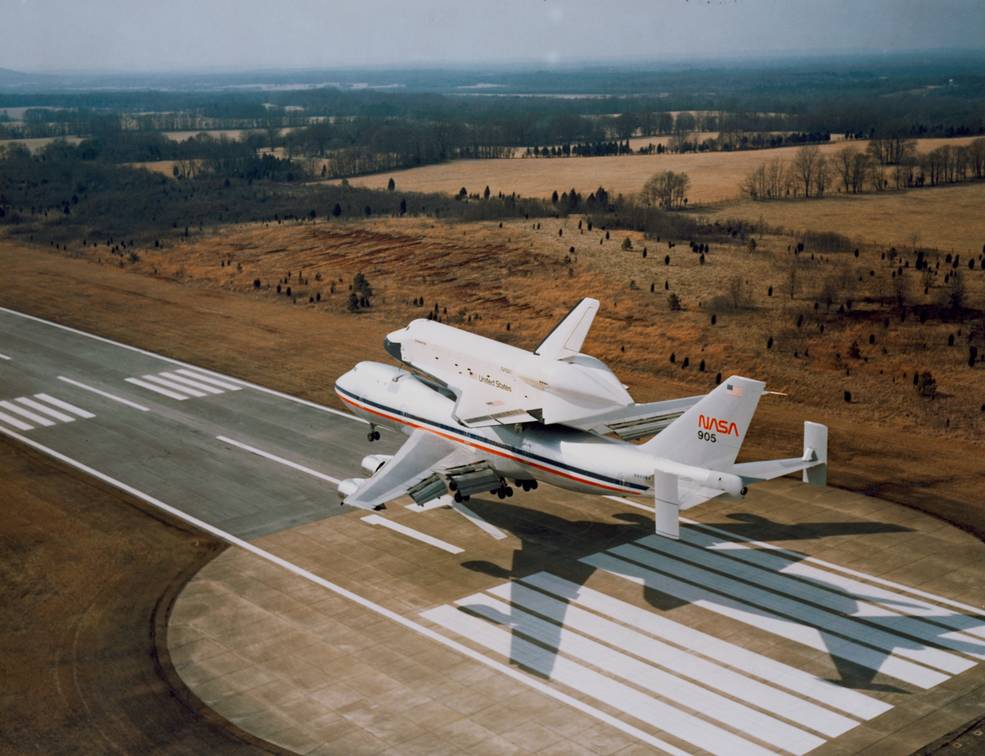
[[554, 454]]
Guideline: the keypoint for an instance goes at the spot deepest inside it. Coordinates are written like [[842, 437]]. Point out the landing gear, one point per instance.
[[373, 435], [527, 485], [504, 491], [461, 499]]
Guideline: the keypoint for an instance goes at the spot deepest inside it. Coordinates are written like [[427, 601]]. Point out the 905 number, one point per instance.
[[708, 436]]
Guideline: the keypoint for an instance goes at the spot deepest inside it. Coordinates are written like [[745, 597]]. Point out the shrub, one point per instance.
[[674, 302]]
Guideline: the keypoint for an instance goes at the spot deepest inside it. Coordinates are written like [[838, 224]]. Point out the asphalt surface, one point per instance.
[[172, 451]]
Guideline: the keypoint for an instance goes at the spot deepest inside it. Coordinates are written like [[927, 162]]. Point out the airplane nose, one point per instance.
[[393, 348]]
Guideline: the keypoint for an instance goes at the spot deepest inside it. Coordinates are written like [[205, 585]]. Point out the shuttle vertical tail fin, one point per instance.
[[567, 337]]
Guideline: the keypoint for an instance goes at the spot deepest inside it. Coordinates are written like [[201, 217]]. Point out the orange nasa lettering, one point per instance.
[[725, 427]]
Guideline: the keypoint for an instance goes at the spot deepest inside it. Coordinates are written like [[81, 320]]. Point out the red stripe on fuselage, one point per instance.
[[496, 452]]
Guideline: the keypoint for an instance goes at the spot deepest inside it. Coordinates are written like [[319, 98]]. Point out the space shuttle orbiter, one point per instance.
[[497, 384]]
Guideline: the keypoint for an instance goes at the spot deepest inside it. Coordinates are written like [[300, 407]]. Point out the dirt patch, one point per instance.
[[87, 577]]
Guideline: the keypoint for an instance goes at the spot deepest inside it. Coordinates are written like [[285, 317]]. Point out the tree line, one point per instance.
[[888, 163]]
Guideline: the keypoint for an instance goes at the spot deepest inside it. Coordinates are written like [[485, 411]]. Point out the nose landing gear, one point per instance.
[[373, 435]]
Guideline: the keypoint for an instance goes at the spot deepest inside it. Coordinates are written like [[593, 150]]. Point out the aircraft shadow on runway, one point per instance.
[[554, 544]]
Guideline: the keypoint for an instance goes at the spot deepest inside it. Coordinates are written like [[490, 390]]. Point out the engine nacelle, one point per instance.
[[348, 486], [722, 481], [373, 462]]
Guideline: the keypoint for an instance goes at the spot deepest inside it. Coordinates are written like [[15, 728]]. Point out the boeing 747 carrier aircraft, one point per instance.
[[480, 413]]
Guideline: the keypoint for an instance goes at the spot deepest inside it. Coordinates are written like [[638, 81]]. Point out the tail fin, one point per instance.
[[566, 338], [711, 432]]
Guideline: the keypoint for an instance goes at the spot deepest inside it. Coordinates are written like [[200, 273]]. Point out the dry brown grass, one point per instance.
[[949, 218], [715, 176]]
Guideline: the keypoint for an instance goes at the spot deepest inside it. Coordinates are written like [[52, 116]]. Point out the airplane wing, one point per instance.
[[637, 420], [566, 338], [417, 459]]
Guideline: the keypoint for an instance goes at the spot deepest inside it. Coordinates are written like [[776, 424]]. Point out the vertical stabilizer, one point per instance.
[[711, 432], [566, 338]]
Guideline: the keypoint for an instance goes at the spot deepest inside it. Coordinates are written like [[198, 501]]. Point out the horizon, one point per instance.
[[55, 37]]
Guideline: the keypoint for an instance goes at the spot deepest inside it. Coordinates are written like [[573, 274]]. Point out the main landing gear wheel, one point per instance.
[[527, 485], [504, 492]]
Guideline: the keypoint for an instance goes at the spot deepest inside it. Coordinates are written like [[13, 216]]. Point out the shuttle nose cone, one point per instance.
[[392, 344], [392, 348]]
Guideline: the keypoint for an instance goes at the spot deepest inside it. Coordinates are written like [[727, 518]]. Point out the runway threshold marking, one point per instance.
[[715, 600], [411, 533], [366, 603], [23, 412], [656, 650], [14, 422], [85, 414], [172, 361], [735, 714], [279, 460], [804, 558], [104, 394], [902, 601], [777, 673], [157, 389]]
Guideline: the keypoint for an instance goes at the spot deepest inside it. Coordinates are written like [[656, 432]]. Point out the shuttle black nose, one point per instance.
[[393, 349]]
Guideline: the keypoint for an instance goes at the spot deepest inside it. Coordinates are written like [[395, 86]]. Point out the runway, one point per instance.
[[329, 630]]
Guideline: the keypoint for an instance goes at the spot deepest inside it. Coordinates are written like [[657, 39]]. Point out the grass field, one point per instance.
[[715, 176], [949, 218]]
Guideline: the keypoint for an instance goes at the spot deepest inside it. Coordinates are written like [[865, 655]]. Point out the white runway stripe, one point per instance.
[[643, 707], [65, 406], [183, 381], [275, 458], [468, 514], [13, 422], [99, 392], [158, 389], [441, 501], [669, 687], [172, 386], [45, 410], [4, 357], [763, 619], [670, 556], [907, 604], [411, 533], [198, 376], [749, 662], [833, 591], [684, 663], [32, 416]]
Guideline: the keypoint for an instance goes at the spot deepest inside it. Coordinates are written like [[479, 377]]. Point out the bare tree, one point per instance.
[[805, 166], [666, 189]]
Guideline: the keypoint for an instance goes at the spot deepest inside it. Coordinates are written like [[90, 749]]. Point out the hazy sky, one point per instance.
[[89, 35]]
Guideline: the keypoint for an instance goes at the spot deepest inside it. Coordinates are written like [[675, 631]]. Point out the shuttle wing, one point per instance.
[[417, 459], [638, 420]]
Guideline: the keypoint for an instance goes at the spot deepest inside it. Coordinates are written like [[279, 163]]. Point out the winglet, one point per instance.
[[566, 338]]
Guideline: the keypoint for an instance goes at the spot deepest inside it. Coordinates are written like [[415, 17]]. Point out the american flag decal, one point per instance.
[[733, 390]]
